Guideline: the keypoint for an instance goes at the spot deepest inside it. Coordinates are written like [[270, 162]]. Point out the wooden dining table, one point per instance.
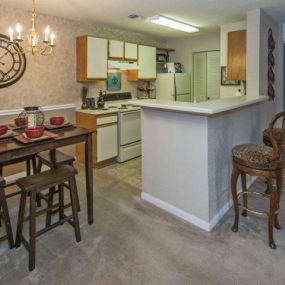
[[11, 149]]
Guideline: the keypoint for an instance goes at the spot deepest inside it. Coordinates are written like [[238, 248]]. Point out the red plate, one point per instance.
[[24, 139]]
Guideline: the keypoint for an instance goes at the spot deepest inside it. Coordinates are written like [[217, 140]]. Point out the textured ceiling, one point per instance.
[[208, 15]]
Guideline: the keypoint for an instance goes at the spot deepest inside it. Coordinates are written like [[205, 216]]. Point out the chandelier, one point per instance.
[[34, 46]]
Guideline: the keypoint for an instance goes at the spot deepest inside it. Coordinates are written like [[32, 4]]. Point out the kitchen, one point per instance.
[[121, 217]]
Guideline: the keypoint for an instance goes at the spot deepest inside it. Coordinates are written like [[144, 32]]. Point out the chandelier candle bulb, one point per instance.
[[11, 33], [52, 37], [19, 30], [47, 32]]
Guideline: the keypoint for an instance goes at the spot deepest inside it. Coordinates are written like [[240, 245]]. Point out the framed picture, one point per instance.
[[160, 57], [224, 80], [114, 81]]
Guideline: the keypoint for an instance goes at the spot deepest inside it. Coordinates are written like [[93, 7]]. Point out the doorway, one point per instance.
[[206, 75]]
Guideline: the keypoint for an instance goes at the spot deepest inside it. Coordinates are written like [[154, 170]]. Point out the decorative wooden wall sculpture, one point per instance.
[[271, 64]]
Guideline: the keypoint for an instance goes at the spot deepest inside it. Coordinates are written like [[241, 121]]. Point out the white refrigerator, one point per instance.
[[173, 86]]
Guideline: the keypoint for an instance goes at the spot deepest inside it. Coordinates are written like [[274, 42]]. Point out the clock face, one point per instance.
[[12, 62]]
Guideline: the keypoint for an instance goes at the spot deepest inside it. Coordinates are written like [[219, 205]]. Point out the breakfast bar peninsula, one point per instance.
[[186, 153]]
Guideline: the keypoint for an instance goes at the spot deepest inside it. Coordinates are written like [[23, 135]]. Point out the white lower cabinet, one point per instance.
[[107, 142]]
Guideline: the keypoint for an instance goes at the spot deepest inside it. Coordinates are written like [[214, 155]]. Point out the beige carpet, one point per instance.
[[132, 242]]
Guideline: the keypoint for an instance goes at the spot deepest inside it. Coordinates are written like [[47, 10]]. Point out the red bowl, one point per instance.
[[3, 129], [34, 133], [20, 121], [57, 121]]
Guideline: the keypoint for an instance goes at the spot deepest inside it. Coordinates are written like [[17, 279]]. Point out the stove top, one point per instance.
[[120, 107]]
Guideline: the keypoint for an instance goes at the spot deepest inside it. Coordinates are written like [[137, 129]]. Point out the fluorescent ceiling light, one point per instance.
[[164, 21]]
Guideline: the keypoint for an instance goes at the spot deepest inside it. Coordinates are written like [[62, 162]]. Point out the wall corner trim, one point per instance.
[[44, 108]]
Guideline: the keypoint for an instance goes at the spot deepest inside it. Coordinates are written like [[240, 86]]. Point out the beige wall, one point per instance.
[[52, 80]]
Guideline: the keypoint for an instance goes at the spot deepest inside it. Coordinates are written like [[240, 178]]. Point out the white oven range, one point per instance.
[[129, 129]]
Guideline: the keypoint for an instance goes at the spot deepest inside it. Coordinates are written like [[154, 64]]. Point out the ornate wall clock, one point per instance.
[[12, 62]]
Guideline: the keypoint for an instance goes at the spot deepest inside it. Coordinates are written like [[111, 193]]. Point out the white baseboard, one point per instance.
[[176, 211], [207, 226]]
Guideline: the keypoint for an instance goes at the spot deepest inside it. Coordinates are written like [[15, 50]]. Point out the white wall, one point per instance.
[[185, 47], [228, 91]]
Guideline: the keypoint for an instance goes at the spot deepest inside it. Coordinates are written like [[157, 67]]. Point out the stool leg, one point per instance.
[[50, 204], [273, 198], [34, 164], [61, 201], [39, 168], [32, 232], [234, 178], [28, 167], [244, 196], [279, 182], [6, 217], [77, 196], [20, 219], [74, 208]]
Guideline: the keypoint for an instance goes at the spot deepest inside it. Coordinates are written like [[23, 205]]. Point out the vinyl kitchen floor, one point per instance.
[[132, 242]]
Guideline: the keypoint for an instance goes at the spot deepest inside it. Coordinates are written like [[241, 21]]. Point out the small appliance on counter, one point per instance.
[[146, 91], [174, 67], [100, 101]]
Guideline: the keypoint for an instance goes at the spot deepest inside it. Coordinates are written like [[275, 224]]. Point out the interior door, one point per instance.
[[200, 76], [213, 75]]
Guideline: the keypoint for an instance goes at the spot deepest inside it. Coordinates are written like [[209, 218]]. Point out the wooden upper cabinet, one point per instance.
[[236, 68], [131, 51], [116, 49], [92, 57]]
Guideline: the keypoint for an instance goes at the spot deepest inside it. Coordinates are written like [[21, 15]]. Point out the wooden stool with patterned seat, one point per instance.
[[263, 161]]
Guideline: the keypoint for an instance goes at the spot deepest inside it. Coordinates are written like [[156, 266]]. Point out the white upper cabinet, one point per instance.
[[131, 51], [147, 62], [96, 58], [116, 49], [92, 56]]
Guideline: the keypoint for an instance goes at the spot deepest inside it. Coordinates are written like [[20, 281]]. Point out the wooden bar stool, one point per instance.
[[4, 214], [263, 161], [34, 184], [44, 158]]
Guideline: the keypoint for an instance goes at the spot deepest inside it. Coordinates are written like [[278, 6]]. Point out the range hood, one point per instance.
[[122, 65]]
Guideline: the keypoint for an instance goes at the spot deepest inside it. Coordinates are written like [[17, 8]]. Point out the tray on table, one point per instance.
[[46, 136], [9, 134], [48, 126]]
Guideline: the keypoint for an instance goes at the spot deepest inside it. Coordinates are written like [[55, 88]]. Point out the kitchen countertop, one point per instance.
[[97, 111], [203, 108]]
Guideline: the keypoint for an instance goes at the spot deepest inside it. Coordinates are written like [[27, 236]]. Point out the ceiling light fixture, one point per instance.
[[33, 37], [174, 24]]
